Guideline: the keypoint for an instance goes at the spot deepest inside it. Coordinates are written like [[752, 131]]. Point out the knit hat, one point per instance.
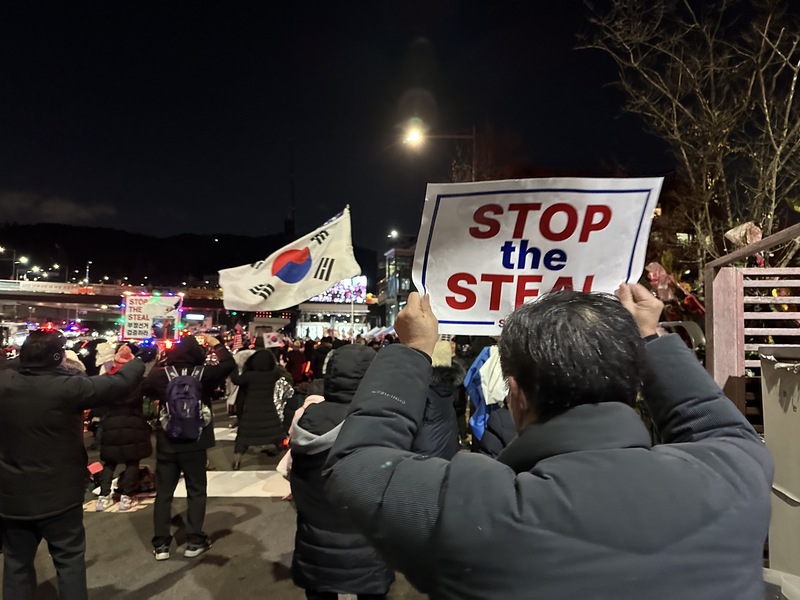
[[124, 355], [442, 355]]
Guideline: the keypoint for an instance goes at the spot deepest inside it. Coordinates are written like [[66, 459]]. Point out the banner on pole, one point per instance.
[[295, 273], [485, 248]]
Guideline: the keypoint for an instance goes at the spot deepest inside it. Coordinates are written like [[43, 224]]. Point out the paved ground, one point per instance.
[[253, 543]]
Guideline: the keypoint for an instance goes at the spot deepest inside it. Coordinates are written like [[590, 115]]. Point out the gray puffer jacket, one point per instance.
[[580, 506]]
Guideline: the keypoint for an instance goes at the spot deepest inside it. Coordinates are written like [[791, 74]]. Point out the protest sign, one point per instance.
[[485, 248], [148, 316]]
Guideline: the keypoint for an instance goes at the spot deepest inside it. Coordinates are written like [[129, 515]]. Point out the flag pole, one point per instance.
[[352, 321]]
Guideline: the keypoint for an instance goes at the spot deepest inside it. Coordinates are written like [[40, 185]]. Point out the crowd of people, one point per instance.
[[552, 489]]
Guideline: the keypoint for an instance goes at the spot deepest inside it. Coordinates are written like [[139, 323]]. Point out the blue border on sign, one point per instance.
[[440, 197]]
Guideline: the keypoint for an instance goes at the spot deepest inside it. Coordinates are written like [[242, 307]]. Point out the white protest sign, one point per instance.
[[485, 248], [149, 315]]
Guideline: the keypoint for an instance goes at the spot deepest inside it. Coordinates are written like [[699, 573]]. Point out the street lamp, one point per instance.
[[13, 259], [23, 260], [88, 264], [416, 135]]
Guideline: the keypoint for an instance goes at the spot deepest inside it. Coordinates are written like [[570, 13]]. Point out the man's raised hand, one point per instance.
[[645, 308], [416, 325]]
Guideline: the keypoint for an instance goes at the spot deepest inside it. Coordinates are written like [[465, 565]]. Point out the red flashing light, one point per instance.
[[168, 344]]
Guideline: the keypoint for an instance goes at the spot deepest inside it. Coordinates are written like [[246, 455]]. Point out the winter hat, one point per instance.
[[105, 353], [442, 355], [186, 352], [124, 355], [73, 362]]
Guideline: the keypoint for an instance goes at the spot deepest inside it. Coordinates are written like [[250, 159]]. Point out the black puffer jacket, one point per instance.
[[438, 435], [329, 554], [259, 420], [186, 355], [42, 456], [126, 433]]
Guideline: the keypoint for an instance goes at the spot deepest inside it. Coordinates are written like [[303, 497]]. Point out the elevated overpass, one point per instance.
[[54, 301]]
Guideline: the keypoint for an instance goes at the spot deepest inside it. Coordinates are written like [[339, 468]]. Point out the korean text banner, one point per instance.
[[148, 316], [485, 248], [295, 273]]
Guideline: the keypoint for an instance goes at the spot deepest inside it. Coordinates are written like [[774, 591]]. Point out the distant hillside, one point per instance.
[[165, 261]]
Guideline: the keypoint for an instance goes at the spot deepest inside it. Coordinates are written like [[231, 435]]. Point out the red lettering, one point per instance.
[[454, 284], [481, 218], [547, 217], [563, 283], [590, 225], [497, 282], [522, 216], [522, 288]]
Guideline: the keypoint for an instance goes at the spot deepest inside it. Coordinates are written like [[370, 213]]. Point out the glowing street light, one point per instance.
[[24, 260], [393, 234], [416, 136], [36, 269]]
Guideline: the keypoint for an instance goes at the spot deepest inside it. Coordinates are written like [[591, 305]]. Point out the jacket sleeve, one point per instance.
[[391, 494], [240, 378], [155, 384], [105, 389], [688, 406], [216, 373]]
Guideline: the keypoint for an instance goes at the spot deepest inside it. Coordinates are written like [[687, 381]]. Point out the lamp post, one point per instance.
[[88, 264], [23, 260], [416, 136], [13, 259]]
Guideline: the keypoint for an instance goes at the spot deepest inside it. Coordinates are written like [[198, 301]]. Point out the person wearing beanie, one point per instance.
[[43, 461], [438, 434], [189, 457], [126, 440]]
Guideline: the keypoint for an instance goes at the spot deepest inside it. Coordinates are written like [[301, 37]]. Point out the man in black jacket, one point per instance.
[[174, 457], [43, 461], [580, 505]]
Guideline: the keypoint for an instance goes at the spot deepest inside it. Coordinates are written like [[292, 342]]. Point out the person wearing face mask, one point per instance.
[[43, 461], [580, 504]]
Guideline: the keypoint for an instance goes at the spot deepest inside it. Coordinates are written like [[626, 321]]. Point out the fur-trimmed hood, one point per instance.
[[445, 380]]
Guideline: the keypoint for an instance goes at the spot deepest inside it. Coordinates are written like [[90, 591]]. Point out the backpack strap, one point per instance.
[[197, 372], [171, 372]]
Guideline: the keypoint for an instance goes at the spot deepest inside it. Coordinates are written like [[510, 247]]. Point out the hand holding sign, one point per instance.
[[645, 308], [416, 325]]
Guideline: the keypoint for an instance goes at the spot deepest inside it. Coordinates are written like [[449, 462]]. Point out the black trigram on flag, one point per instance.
[[320, 236], [324, 269], [257, 264], [263, 290]]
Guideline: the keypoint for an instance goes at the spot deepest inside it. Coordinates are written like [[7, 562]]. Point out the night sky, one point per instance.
[[164, 118]]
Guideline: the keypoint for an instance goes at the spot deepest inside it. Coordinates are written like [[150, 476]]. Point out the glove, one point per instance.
[[147, 354]]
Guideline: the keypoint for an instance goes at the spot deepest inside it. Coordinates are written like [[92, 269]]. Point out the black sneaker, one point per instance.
[[161, 552], [193, 550]]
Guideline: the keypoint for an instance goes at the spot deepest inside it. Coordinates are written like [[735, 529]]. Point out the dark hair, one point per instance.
[[42, 350], [571, 348]]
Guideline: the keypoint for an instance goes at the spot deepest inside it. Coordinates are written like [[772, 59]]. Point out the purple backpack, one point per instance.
[[182, 417]]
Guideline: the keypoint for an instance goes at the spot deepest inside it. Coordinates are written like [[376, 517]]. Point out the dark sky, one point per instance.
[[164, 117]]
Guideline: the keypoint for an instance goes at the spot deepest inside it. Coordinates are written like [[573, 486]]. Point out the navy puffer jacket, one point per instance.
[[329, 554]]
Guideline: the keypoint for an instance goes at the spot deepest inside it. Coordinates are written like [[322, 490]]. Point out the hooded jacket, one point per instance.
[[580, 506], [438, 434], [188, 354], [329, 554], [260, 400], [42, 455]]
